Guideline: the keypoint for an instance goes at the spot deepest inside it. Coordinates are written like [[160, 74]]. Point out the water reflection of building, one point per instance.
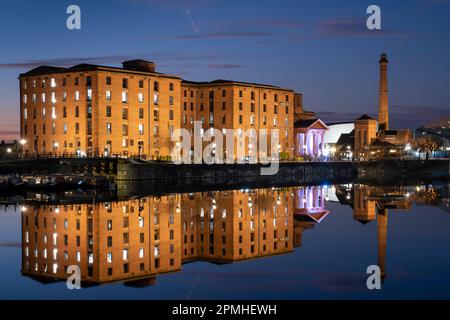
[[371, 203], [134, 241], [309, 210], [110, 242], [231, 226]]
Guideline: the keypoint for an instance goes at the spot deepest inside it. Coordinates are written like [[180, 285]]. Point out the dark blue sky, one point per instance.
[[319, 48]]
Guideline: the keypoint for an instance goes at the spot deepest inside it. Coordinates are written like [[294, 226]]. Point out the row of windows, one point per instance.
[[241, 94], [108, 113], [108, 80], [109, 129], [89, 97], [240, 119], [241, 107]]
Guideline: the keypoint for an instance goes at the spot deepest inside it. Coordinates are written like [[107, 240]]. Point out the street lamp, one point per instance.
[[56, 145], [22, 143]]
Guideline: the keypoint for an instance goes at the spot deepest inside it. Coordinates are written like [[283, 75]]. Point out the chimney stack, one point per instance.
[[383, 111]]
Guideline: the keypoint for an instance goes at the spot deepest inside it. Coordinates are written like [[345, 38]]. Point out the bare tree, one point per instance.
[[426, 144]]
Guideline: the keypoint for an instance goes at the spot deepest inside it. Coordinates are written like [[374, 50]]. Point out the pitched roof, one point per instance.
[[224, 82], [347, 138], [306, 123], [44, 70], [365, 117]]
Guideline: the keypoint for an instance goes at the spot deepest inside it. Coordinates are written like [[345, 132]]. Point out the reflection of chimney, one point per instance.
[[383, 112], [382, 221]]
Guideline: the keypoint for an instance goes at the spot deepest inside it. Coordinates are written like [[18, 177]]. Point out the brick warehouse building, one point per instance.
[[224, 104], [92, 110], [95, 110]]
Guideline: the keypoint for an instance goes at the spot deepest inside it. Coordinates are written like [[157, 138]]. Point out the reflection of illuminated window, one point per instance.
[[224, 213], [55, 267], [55, 254], [109, 224], [78, 254], [44, 254], [66, 255], [240, 213], [156, 251], [125, 254], [27, 239], [274, 222], [109, 257], [202, 213], [36, 253], [91, 258], [26, 251], [252, 225], [55, 236], [141, 253], [141, 222]]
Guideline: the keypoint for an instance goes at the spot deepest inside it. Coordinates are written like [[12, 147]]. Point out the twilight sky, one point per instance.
[[320, 48]]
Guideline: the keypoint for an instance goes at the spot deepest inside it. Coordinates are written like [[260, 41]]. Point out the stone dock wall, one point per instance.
[[144, 178]]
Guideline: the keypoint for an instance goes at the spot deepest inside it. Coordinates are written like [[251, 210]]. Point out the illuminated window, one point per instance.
[[53, 82], [77, 95]]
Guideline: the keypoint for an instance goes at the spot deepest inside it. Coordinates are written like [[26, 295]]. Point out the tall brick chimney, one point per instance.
[[383, 111]]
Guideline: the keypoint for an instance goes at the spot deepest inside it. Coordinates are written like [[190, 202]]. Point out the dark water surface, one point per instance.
[[294, 243]]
